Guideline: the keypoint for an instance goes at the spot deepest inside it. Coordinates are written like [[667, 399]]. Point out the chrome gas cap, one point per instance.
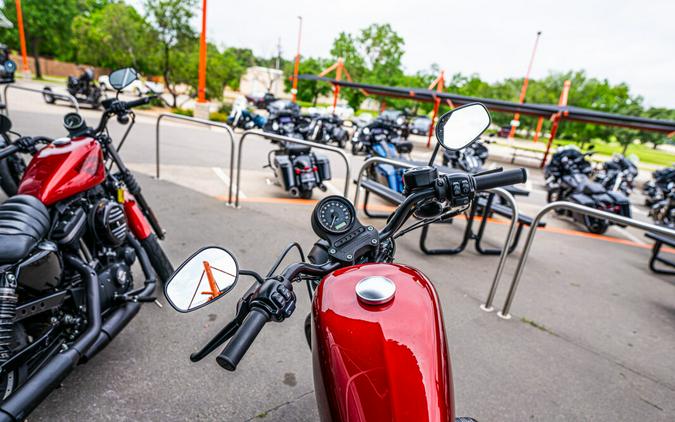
[[375, 290]]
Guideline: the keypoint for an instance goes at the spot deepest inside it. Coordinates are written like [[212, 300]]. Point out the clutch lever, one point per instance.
[[231, 328]]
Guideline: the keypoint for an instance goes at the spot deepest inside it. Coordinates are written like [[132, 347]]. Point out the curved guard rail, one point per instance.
[[276, 137], [174, 116], [501, 192], [505, 312], [61, 96]]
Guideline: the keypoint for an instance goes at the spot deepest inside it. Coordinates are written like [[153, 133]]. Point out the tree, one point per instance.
[[309, 90], [47, 26], [129, 39], [171, 20]]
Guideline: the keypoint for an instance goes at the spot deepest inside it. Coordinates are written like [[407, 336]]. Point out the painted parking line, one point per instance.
[[225, 179]]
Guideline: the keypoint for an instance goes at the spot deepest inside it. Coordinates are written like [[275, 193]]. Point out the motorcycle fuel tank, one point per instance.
[[380, 362], [64, 168]]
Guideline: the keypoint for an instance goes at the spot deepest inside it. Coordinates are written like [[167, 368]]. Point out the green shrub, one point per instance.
[[183, 111], [218, 117]]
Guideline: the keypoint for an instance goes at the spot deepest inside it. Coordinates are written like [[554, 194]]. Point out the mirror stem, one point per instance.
[[433, 155]]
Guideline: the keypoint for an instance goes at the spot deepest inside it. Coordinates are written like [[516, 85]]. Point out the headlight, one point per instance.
[[366, 130], [275, 126]]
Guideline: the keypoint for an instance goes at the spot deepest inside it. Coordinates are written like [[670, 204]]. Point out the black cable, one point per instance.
[[281, 257]]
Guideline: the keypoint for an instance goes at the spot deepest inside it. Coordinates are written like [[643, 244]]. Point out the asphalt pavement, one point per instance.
[[591, 337]]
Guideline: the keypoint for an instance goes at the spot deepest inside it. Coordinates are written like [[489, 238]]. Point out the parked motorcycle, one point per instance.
[[7, 66], [83, 88], [567, 179], [68, 241], [663, 211], [655, 190], [12, 167], [618, 174], [382, 139], [376, 328], [470, 159], [241, 117], [298, 170], [328, 128], [288, 123]]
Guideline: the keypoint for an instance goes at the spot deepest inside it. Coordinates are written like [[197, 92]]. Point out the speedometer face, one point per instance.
[[335, 216]]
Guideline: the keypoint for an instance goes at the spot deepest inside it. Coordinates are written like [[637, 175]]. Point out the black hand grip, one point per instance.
[[236, 349], [7, 151], [139, 102], [503, 178]]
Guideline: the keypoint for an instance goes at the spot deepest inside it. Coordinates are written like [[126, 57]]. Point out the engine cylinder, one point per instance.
[[109, 222]]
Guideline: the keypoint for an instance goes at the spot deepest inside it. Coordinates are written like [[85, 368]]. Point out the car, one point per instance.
[[420, 125], [137, 87]]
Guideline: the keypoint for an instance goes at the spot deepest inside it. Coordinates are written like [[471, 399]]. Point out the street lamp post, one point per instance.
[[201, 90], [294, 91], [22, 38], [523, 90]]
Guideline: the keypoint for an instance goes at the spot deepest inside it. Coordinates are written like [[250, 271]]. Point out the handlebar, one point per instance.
[[139, 102], [236, 349], [9, 150], [503, 178]]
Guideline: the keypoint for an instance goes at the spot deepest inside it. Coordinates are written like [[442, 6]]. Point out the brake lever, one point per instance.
[[225, 334]]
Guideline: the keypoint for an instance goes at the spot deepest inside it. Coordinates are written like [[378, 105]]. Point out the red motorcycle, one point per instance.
[[68, 241], [376, 329]]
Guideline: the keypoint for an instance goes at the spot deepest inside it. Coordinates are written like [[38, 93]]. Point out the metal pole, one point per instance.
[[201, 90], [440, 82], [505, 250], [526, 81], [64, 97], [22, 37], [294, 90], [505, 312], [336, 87], [267, 135], [556, 120], [228, 130]]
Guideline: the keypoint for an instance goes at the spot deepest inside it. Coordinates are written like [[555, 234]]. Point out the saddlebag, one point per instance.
[[323, 165], [284, 171], [622, 201], [582, 199]]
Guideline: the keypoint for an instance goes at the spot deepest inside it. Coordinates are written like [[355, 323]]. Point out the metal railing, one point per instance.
[[61, 96], [487, 306], [204, 122], [505, 312], [276, 137]]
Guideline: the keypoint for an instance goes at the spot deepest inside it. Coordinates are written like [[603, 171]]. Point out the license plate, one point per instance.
[[307, 177]]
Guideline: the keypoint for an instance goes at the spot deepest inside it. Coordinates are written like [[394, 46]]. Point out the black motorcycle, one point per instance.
[[298, 170], [67, 249], [655, 190], [618, 174], [11, 168], [83, 88], [663, 211], [288, 123], [384, 134], [470, 159], [328, 128], [568, 179], [7, 66]]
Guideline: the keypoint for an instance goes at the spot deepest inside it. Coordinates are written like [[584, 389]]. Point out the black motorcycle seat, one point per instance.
[[593, 188], [297, 149], [24, 221]]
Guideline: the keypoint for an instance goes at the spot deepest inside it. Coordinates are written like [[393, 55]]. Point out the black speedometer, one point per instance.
[[334, 214]]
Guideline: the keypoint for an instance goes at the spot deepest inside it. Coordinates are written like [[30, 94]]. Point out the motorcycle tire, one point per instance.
[[158, 259], [306, 194], [355, 149], [553, 196], [11, 171], [596, 225], [49, 99]]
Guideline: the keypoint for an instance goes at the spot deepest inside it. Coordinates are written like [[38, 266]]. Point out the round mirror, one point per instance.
[[121, 78], [458, 128], [204, 277]]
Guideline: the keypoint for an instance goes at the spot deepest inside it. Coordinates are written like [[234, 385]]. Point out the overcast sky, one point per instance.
[[621, 40]]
